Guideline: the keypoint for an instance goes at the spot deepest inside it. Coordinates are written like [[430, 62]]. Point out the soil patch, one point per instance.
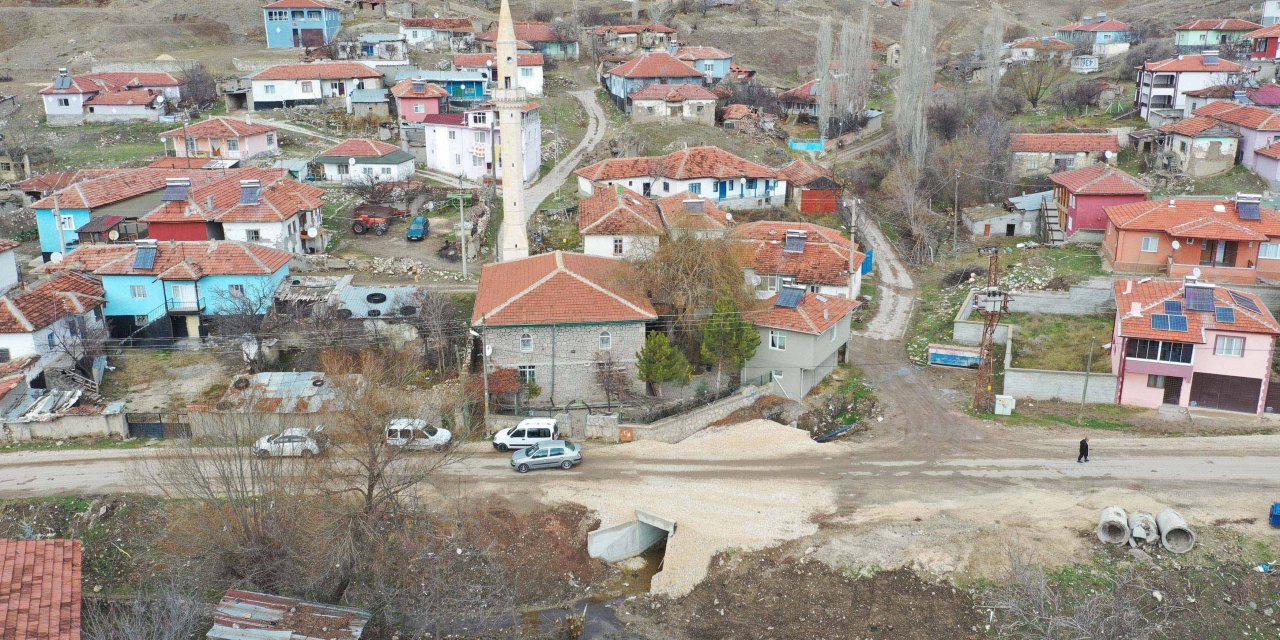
[[1169, 422]]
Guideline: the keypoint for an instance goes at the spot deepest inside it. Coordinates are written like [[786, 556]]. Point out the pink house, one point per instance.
[[1258, 127], [1083, 194], [417, 99], [1192, 344], [220, 137]]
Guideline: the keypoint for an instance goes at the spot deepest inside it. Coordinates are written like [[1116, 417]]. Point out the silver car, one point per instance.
[[545, 454]]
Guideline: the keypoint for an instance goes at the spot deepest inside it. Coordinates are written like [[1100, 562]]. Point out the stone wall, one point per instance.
[[571, 351], [110, 423]]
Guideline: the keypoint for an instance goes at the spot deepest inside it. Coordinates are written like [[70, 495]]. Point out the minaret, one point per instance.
[[509, 99]]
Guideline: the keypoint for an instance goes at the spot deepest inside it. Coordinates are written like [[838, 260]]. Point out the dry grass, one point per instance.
[[1060, 342]]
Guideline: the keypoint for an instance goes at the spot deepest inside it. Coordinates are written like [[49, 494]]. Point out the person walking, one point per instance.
[[1084, 451]]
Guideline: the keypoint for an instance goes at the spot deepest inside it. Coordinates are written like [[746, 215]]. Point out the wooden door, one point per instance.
[[1172, 390]]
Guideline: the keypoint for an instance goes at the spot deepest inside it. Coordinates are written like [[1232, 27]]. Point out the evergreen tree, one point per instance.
[[728, 340], [659, 362]]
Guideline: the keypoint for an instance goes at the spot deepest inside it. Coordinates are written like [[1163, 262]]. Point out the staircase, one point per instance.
[[69, 378], [1050, 228]]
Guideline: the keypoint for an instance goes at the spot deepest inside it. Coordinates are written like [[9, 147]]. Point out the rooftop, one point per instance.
[[1193, 63], [220, 127], [1196, 126], [317, 71], [673, 93], [658, 64], [1218, 218], [40, 582], [634, 28], [823, 256], [529, 31], [1225, 24], [290, 392], [1140, 305], [175, 260], [63, 295], [686, 164], [1100, 179], [616, 210], [1247, 116], [559, 288], [1065, 142], [404, 89], [691, 212], [245, 615], [1098, 25], [360, 148], [439, 24], [814, 314]]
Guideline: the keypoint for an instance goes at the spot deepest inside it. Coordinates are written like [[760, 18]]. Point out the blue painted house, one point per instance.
[[158, 292], [650, 68], [292, 24], [462, 85], [1103, 36], [712, 62], [114, 202]]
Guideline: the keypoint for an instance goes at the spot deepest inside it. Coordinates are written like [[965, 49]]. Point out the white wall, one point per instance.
[[8, 270], [632, 246], [74, 108], [286, 235], [660, 187], [319, 89], [454, 156], [401, 171]]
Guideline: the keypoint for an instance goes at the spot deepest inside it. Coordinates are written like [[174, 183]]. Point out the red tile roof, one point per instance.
[[56, 298], [617, 210], [686, 164], [174, 162], [673, 93], [450, 119], [802, 172], [128, 98], [1272, 31], [1194, 218], [317, 71], [488, 59], [40, 589], [1224, 91], [280, 198], [361, 148], [737, 111], [1192, 127], [1152, 294], [7, 245], [220, 127], [676, 213], [803, 93], [814, 315], [1247, 116], [211, 258], [1100, 179], [529, 31], [1192, 63], [556, 288], [118, 186], [1105, 25], [691, 53], [50, 182], [1043, 44], [1065, 142], [658, 64], [1267, 95], [456, 25], [116, 81], [633, 28], [299, 4], [825, 259], [1270, 151], [404, 89], [1228, 24]]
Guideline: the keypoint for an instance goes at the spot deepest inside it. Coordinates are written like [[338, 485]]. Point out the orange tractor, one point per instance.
[[374, 217]]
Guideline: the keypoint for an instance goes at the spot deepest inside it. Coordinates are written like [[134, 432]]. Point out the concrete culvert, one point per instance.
[[1142, 528], [1174, 533], [1113, 526]]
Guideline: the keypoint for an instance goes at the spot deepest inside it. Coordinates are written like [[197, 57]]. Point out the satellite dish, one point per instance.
[[56, 256], [1109, 154], [312, 232], [1176, 245], [113, 235], [351, 161], [728, 216], [160, 98], [1195, 273]]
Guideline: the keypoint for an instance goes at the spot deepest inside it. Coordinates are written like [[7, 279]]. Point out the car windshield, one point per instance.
[[273, 438]]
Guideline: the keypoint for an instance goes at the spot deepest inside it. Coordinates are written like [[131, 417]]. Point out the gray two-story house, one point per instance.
[[804, 336], [556, 317]]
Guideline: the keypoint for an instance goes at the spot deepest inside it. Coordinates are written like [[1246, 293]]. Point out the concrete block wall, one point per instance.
[[1039, 384], [1088, 298], [106, 424]]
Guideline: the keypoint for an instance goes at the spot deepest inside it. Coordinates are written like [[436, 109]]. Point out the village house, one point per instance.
[[361, 159], [541, 38], [819, 259], [1258, 127], [740, 117], [679, 102], [41, 580], [1038, 154], [529, 64], [369, 103], [373, 49], [617, 222], [1082, 196], [9, 275], [1016, 216], [1209, 95], [812, 188], [1221, 35], [468, 143], [1162, 86], [1264, 95], [10, 168], [687, 214], [626, 39], [1198, 147], [46, 321], [290, 85], [712, 62], [730, 181], [157, 292], [221, 137], [1031, 49], [804, 336], [1229, 240], [889, 53], [641, 71], [109, 97], [293, 24], [1192, 344], [446, 34], [246, 614], [416, 99], [1084, 64], [802, 100], [553, 317], [1266, 163], [1102, 36], [1266, 43], [465, 88], [741, 74]]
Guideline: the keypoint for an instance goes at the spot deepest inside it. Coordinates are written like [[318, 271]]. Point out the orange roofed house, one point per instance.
[[110, 97], [553, 317], [803, 337], [1223, 239], [818, 259], [1192, 344], [1083, 195], [710, 172], [1038, 154], [40, 589], [220, 137]]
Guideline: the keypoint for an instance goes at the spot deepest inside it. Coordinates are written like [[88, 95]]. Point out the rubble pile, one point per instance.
[[556, 147]]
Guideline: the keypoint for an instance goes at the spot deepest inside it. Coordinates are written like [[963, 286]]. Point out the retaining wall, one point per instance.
[[1091, 297], [172, 66], [1067, 386]]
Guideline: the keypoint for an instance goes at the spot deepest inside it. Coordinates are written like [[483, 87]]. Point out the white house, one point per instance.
[[106, 97], [711, 172], [8, 265], [453, 34], [289, 85], [798, 254], [530, 65], [616, 222], [360, 159], [466, 144], [38, 322], [1163, 85]]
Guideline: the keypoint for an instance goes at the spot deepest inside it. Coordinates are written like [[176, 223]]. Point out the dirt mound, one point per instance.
[[748, 440]]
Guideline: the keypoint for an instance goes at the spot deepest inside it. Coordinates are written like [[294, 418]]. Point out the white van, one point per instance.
[[529, 432]]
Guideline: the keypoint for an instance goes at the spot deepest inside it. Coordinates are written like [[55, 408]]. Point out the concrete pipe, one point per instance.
[[1174, 533], [1142, 527], [1113, 526]]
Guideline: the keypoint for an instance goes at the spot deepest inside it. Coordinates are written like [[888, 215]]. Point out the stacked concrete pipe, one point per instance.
[[1175, 535], [1142, 528], [1113, 526]]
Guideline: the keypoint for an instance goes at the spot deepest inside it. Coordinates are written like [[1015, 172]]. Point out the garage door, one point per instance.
[[1232, 393]]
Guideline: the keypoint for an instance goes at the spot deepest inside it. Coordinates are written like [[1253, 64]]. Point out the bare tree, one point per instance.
[[754, 14], [612, 378], [855, 72], [690, 274], [1074, 98], [368, 189], [822, 72], [164, 614], [201, 87], [441, 328], [1034, 79], [81, 340], [992, 49], [915, 85]]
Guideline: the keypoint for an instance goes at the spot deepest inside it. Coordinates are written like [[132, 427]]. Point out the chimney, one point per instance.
[[1135, 308], [693, 205], [177, 182], [208, 202], [1210, 56], [1128, 287], [248, 118], [1086, 20]]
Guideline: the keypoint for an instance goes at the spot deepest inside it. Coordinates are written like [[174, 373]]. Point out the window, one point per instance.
[[277, 15], [137, 291], [386, 171], [453, 135], [233, 144], [1159, 350], [606, 340], [1155, 381], [4, 355], [419, 108], [776, 375], [526, 72], [528, 374], [68, 222], [1071, 201], [617, 246], [269, 89], [480, 137], [313, 15], [477, 161], [1232, 346], [52, 340], [271, 139], [368, 171], [778, 340], [526, 342], [1150, 244], [1182, 146], [140, 321], [1033, 164], [192, 146], [666, 187], [306, 86], [235, 290], [343, 169], [457, 158], [1269, 250], [252, 235], [695, 188], [5, 166]]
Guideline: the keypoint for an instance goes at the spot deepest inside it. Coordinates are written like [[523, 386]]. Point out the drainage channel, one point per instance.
[[638, 547]]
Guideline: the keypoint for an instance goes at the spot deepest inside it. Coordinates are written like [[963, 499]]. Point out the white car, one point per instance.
[[290, 443], [412, 433], [529, 432]]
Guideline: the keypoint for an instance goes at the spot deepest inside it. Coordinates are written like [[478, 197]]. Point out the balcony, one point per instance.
[[178, 307], [1158, 367], [1225, 275]]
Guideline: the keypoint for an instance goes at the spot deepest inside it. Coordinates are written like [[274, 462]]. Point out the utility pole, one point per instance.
[[1088, 367], [992, 304], [955, 203], [853, 245], [464, 229]]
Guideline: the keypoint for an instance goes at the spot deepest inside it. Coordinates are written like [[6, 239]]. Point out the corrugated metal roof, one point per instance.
[[369, 95], [431, 75], [290, 392], [245, 615], [356, 300], [1031, 201]]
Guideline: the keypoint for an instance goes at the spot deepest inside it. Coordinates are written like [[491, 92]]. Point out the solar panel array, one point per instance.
[[1244, 301], [790, 297], [1168, 322], [1225, 314], [145, 259], [1199, 298], [1177, 323], [1249, 210], [62, 82], [175, 193], [1160, 321], [1173, 306]]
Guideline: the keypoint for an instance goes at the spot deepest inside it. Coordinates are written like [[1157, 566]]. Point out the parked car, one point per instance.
[[291, 443], [529, 432], [546, 454], [412, 433], [418, 228]]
